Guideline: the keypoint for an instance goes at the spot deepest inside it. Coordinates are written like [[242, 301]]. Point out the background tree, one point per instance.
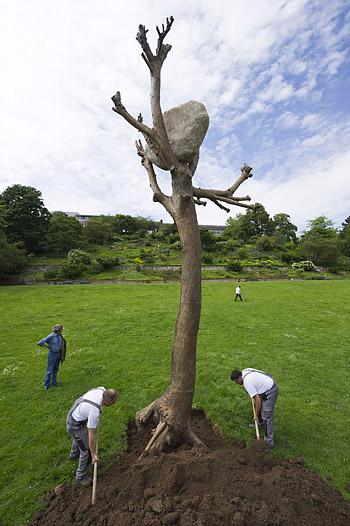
[[145, 226], [256, 222], [266, 243], [208, 241], [64, 233], [320, 243], [321, 225], [26, 217], [321, 250], [285, 227], [344, 238], [172, 411], [165, 230], [12, 257], [236, 229], [98, 231], [128, 225], [125, 225]]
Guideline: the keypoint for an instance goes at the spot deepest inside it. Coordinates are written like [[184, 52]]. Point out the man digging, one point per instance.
[[82, 420], [263, 389]]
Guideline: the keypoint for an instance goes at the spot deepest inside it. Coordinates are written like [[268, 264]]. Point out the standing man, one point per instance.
[[264, 390], [81, 423], [238, 293], [57, 350]]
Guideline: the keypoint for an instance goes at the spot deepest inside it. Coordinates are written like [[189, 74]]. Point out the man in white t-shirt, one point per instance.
[[263, 389], [238, 293], [82, 420]]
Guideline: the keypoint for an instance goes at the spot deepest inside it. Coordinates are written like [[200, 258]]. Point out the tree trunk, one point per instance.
[[172, 412]]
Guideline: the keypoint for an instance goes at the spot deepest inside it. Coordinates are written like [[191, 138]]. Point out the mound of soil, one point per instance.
[[226, 484]]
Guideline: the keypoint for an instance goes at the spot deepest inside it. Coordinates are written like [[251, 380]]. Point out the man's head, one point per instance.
[[110, 396], [58, 328], [236, 376]]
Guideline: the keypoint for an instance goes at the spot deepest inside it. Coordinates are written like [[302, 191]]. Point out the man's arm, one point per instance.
[[91, 432], [257, 406], [43, 342]]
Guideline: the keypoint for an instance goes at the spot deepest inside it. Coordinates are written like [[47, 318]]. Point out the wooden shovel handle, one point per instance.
[[255, 422], [94, 483]]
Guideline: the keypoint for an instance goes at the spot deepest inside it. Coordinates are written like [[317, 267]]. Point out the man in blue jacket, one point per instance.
[[55, 343]]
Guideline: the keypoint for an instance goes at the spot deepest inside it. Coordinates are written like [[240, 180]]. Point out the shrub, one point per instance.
[[172, 238], [265, 243], [70, 271], [107, 263], [288, 257], [242, 253], [76, 256], [307, 266], [207, 258], [76, 262], [176, 245], [234, 265]]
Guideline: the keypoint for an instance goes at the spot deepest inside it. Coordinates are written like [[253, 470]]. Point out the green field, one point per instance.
[[120, 335]]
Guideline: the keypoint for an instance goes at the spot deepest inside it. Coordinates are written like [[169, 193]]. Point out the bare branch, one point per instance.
[[136, 123], [158, 195], [199, 202], [163, 34], [226, 196], [141, 37], [246, 174], [154, 63]]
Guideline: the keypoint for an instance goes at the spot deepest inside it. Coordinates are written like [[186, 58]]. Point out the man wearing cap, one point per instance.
[[82, 421], [56, 345], [263, 389]]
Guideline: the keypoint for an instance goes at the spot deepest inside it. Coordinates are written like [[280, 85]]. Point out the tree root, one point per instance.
[[168, 432]]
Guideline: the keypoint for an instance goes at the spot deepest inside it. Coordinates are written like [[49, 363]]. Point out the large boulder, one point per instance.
[[186, 126]]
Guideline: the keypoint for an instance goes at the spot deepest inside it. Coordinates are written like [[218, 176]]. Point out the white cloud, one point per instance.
[[268, 71], [287, 120]]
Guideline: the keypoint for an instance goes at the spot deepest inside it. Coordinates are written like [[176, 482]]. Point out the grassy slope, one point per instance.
[[120, 336]]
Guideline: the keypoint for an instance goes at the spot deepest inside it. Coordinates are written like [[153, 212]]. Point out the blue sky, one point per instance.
[[273, 75]]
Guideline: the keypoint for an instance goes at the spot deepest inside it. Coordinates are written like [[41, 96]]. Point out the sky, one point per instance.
[[274, 76]]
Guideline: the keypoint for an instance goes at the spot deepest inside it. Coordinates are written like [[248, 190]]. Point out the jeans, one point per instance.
[[53, 363]]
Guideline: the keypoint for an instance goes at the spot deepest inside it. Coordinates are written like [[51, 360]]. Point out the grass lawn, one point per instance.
[[120, 335]]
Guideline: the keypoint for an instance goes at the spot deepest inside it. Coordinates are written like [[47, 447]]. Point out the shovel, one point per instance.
[[94, 483], [256, 423]]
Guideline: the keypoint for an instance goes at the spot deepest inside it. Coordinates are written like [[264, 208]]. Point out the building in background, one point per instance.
[[216, 230]]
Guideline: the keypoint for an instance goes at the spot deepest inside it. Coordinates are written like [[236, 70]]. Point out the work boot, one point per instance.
[[86, 482]]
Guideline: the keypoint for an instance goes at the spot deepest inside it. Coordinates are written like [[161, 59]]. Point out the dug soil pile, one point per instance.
[[226, 484]]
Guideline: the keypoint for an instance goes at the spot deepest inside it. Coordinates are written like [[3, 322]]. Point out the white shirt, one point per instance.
[[89, 412], [238, 290], [255, 382]]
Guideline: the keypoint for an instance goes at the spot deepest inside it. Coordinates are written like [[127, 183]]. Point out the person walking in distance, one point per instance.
[[56, 345], [81, 424], [238, 293], [263, 389]]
